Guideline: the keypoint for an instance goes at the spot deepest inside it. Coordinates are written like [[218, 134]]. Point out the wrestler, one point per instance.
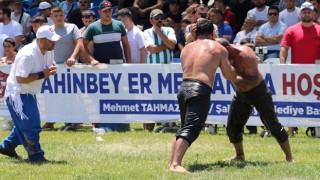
[[199, 61], [251, 91]]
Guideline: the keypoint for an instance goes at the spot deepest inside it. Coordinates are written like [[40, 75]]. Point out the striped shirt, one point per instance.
[[151, 38], [106, 40]]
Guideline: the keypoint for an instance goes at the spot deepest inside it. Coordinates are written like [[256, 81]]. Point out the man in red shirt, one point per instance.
[[303, 38], [227, 15]]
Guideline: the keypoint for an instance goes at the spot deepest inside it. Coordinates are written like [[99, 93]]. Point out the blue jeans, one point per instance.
[[25, 131]]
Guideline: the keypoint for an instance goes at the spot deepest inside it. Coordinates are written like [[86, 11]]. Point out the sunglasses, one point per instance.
[[273, 14], [158, 17]]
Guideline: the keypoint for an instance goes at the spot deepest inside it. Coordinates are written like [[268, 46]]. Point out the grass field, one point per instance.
[[141, 155]]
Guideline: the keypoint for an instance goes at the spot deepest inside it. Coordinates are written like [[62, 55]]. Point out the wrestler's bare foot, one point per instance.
[[237, 158], [179, 169], [290, 159]]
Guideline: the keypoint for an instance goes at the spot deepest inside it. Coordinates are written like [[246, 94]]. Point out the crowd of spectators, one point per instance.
[[145, 31]]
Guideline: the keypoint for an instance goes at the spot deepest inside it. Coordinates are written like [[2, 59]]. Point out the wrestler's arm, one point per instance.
[[227, 70]]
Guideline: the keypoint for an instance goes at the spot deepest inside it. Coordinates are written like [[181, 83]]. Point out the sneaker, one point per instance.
[[10, 153]]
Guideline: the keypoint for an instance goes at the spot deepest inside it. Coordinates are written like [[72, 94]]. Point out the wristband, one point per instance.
[[40, 75]]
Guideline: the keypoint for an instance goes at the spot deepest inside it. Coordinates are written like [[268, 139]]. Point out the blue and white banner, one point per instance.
[[132, 93]]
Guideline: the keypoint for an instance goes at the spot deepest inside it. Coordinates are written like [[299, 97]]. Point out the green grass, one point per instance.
[[142, 155]]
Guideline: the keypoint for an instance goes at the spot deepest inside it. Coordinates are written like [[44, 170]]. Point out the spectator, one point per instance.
[[157, 34], [108, 33], [240, 9], [227, 16], [2, 38], [135, 37], [23, 19], [301, 39], [200, 12], [282, 7], [181, 39], [190, 13], [160, 42], [8, 46], [291, 15], [270, 34], [11, 28], [173, 17], [75, 16], [145, 7], [248, 34], [316, 6], [37, 21], [67, 49], [67, 6], [45, 10], [101, 31], [88, 17], [259, 13], [225, 31]]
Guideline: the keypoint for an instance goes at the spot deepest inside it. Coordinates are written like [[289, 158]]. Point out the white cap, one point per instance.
[[44, 5], [47, 32], [307, 5]]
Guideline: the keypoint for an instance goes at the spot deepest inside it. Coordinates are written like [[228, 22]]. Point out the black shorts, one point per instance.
[[194, 103], [242, 106]]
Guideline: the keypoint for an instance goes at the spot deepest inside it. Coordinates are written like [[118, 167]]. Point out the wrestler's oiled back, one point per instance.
[[200, 59]]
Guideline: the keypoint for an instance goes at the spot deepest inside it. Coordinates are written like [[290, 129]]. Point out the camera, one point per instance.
[[261, 50]]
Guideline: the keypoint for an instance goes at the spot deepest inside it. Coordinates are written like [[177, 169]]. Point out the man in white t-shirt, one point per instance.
[[259, 13], [23, 19], [248, 34], [10, 27], [135, 37], [33, 63], [291, 15]]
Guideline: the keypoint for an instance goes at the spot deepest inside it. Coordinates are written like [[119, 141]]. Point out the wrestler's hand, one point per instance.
[[53, 70], [70, 62], [193, 29]]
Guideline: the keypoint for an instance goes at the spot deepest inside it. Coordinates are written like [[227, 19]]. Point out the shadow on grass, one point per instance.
[[27, 161], [226, 164]]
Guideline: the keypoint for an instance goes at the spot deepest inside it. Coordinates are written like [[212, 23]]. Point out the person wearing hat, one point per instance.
[[160, 42], [45, 10], [23, 19], [33, 63], [107, 33], [302, 37]]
